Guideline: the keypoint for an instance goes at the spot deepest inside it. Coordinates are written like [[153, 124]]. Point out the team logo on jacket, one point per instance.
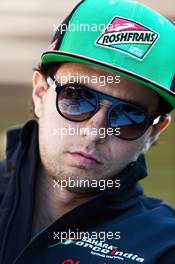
[[128, 36], [102, 250]]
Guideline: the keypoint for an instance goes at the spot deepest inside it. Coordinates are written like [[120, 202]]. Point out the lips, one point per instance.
[[89, 157]]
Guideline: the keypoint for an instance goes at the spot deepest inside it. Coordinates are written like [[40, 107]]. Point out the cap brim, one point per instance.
[[59, 56]]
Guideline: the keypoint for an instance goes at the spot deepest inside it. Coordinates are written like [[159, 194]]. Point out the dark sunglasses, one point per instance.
[[78, 103]]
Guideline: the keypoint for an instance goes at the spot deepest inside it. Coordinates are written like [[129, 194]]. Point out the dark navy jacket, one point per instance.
[[146, 225]]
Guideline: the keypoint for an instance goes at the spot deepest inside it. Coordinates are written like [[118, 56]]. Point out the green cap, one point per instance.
[[122, 36]]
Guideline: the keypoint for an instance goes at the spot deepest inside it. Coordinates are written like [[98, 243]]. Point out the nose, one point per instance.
[[96, 126]]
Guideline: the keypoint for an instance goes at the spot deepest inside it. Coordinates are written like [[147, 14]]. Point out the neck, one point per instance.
[[52, 203]]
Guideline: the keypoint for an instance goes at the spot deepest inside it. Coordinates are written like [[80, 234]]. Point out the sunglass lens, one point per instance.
[[131, 120], [76, 103]]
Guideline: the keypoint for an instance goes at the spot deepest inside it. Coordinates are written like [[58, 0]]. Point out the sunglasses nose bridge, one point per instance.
[[99, 119], [105, 102]]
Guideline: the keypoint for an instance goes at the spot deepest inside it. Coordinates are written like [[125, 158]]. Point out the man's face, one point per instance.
[[59, 152]]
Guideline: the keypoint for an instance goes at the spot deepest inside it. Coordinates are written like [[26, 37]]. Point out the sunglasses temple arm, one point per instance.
[[156, 121], [51, 83]]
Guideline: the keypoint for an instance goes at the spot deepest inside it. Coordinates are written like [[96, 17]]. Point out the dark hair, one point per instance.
[[48, 69], [163, 107]]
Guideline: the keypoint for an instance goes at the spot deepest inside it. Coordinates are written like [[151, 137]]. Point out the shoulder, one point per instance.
[[17, 139], [3, 179], [158, 206], [2, 167], [159, 216], [7, 166]]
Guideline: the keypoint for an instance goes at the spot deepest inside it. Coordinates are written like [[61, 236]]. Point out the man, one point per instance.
[[74, 197]]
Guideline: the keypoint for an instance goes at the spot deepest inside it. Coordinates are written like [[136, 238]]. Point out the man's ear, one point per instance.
[[39, 92], [159, 127]]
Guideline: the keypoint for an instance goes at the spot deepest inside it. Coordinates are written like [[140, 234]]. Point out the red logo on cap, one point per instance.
[[121, 24]]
